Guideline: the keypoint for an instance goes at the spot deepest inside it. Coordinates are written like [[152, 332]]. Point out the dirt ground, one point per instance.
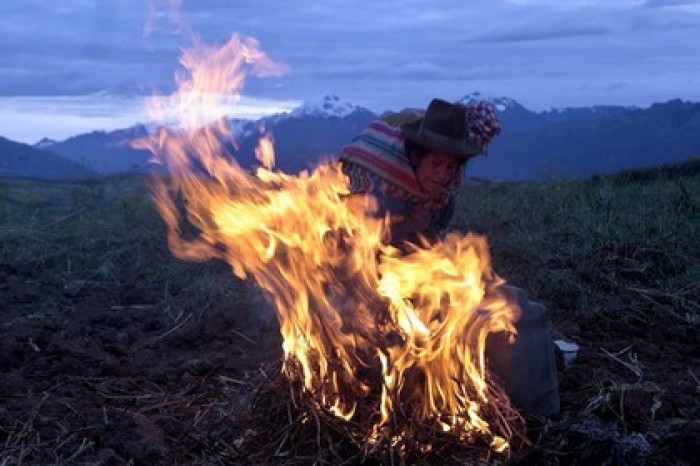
[[89, 374], [92, 373]]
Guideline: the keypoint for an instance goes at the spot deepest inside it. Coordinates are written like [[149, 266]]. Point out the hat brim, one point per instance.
[[438, 143]]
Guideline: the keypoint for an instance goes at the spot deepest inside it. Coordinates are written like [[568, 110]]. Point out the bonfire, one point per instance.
[[384, 348]]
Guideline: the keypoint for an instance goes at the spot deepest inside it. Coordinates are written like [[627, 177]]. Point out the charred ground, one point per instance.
[[113, 352]]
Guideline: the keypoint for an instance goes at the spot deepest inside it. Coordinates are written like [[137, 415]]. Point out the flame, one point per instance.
[[368, 333], [265, 152]]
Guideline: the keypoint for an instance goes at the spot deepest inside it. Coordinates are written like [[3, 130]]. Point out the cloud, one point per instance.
[[382, 54], [30, 118], [671, 3], [556, 32]]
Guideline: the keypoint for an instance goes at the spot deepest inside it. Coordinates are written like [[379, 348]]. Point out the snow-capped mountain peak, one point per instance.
[[329, 105], [501, 103], [44, 143]]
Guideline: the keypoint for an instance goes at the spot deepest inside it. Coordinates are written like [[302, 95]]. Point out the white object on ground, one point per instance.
[[568, 349]]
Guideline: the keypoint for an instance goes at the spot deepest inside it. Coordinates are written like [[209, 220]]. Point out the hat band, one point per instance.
[[447, 144]]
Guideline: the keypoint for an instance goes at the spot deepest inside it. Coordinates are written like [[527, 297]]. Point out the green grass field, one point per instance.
[[596, 246]]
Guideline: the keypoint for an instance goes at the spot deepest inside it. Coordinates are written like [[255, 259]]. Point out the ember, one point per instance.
[[390, 344]]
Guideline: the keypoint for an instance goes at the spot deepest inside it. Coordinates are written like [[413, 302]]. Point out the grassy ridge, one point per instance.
[[593, 245]]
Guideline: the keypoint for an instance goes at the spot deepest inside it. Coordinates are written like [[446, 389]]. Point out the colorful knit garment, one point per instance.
[[483, 124], [376, 160]]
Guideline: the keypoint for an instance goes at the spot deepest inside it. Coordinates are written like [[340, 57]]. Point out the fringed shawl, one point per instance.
[[376, 160]]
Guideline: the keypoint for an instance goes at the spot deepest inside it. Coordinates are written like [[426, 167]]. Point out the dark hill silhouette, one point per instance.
[[578, 143], [106, 152], [301, 142], [18, 160]]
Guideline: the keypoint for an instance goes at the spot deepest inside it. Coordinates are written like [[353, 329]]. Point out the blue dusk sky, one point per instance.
[[72, 66]]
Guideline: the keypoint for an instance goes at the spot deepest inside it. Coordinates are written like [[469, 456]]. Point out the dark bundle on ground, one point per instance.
[[113, 352]]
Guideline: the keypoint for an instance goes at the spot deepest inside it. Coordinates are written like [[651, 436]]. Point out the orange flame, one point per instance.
[[361, 324]]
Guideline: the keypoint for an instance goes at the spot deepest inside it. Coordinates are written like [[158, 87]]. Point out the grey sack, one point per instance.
[[526, 367]]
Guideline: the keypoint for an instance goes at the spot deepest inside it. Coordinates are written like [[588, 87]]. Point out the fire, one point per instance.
[[369, 335]]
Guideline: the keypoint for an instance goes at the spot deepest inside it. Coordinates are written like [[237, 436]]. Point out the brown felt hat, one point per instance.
[[444, 129]]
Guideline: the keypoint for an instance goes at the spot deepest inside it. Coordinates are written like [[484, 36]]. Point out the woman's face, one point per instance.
[[435, 171]]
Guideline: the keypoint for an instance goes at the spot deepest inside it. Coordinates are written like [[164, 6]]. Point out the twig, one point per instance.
[[225, 379], [244, 336], [174, 328], [695, 377], [683, 301], [34, 346], [85, 444], [134, 307], [633, 365], [62, 219]]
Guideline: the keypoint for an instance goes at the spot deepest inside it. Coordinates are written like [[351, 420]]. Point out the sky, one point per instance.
[[73, 66]]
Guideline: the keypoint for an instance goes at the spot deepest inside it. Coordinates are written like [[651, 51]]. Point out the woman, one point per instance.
[[413, 164]]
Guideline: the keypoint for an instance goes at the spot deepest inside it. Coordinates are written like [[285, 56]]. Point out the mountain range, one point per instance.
[[570, 143], [18, 160]]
